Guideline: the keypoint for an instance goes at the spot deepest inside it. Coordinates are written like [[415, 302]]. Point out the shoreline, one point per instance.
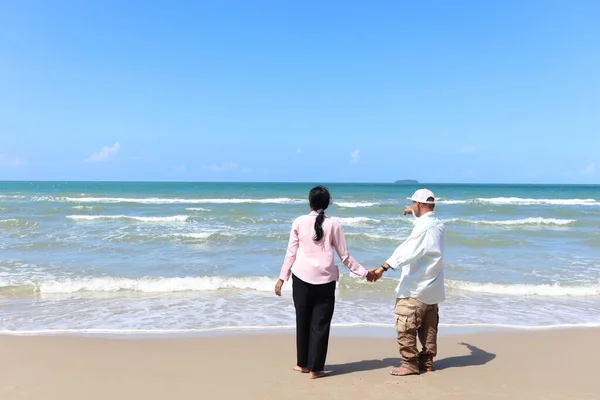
[[378, 331], [515, 365]]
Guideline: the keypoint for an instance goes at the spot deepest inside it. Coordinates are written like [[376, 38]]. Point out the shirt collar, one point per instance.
[[428, 214]]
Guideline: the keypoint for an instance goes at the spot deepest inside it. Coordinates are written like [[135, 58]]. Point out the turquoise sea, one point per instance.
[[121, 257]]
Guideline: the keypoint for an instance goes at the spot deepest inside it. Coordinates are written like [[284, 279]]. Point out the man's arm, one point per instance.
[[412, 249]]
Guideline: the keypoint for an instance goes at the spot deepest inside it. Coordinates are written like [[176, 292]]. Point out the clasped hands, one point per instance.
[[374, 274]]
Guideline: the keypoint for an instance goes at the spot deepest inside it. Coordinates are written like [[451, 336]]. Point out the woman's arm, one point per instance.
[[339, 242], [290, 255]]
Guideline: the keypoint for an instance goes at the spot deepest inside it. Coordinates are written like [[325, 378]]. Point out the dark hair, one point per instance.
[[319, 199]]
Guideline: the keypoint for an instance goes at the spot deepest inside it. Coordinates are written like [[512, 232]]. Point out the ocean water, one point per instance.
[[101, 257]]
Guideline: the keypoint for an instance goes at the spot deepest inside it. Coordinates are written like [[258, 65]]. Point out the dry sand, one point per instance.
[[557, 364]]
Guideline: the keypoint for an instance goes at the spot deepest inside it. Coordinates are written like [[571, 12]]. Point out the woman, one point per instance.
[[309, 259]]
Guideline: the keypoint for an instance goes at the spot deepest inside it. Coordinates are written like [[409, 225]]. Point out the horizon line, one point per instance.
[[300, 182]]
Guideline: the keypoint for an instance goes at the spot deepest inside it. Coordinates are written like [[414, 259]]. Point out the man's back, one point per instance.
[[421, 258]]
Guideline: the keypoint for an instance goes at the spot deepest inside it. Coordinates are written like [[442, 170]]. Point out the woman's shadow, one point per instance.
[[477, 357]]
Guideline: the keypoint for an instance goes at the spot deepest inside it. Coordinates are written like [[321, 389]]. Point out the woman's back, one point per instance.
[[312, 260]]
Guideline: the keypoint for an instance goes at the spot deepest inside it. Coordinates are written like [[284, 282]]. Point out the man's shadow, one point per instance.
[[477, 357]]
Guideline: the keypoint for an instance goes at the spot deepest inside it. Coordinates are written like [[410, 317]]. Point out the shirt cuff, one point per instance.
[[363, 272], [285, 277], [391, 262]]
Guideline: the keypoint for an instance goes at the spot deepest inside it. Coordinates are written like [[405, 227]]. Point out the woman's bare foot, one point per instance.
[[316, 375], [301, 369], [402, 371]]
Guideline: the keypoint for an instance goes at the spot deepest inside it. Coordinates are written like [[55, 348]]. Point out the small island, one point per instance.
[[407, 182]]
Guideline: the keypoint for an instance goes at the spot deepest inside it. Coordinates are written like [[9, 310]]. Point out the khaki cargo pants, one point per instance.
[[413, 319]]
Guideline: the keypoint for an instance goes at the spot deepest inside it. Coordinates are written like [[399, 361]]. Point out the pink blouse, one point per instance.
[[313, 261]]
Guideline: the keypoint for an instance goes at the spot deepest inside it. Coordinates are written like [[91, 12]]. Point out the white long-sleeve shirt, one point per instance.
[[421, 257]]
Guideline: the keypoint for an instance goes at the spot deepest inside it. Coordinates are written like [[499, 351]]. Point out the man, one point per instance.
[[421, 285]]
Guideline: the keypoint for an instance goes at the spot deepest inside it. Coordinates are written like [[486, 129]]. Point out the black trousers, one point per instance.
[[314, 310]]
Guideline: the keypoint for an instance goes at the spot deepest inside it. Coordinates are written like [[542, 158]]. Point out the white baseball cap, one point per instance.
[[421, 196]]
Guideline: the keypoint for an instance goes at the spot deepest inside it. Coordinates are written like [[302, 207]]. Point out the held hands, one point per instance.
[[371, 275], [374, 274]]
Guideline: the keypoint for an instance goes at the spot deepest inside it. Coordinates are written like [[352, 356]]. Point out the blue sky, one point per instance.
[[335, 91]]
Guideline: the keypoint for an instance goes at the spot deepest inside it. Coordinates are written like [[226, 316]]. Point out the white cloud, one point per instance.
[[354, 156], [299, 150], [11, 161], [590, 169], [105, 154], [224, 167], [469, 149]]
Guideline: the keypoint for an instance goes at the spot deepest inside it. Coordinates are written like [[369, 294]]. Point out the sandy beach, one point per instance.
[[557, 364]]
